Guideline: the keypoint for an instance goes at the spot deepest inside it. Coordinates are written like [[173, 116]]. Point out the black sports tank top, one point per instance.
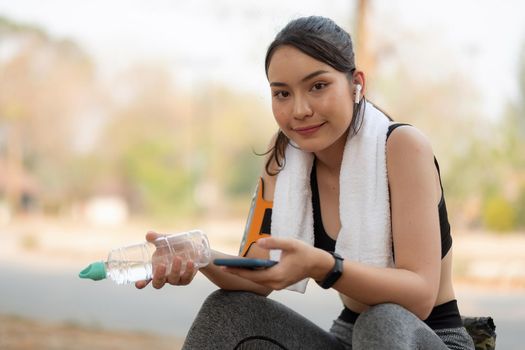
[[325, 242]]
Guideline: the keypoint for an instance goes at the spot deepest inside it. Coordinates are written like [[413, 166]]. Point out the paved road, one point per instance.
[[64, 297]]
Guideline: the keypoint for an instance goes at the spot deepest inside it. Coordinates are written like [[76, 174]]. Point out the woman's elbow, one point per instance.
[[424, 305], [423, 310]]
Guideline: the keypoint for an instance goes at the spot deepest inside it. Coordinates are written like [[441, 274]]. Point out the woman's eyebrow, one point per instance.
[[313, 75], [308, 77]]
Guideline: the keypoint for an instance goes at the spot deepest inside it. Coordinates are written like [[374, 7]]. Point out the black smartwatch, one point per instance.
[[334, 274]]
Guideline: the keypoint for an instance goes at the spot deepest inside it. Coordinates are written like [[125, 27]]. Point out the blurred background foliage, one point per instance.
[[168, 153], [67, 137]]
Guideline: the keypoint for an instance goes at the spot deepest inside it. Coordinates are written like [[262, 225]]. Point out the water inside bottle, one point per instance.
[[130, 272]]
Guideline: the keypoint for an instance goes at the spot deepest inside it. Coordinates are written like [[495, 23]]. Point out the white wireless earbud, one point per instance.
[[358, 88]]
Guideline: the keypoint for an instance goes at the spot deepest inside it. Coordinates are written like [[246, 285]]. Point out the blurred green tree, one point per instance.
[[182, 153], [494, 164], [511, 142], [45, 84], [499, 214]]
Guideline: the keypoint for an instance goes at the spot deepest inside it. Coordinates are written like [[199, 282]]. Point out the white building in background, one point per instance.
[[106, 210]]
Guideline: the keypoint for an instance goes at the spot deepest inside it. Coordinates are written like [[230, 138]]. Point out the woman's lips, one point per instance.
[[308, 130]]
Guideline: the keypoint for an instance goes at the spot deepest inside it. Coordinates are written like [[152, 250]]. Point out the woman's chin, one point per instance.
[[307, 146]]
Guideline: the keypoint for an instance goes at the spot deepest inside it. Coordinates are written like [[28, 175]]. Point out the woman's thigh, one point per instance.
[[392, 326], [243, 320]]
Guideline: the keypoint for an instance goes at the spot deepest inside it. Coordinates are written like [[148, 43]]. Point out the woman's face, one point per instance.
[[311, 101]]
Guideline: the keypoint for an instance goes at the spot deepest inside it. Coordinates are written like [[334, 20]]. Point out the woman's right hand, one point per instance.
[[174, 277]]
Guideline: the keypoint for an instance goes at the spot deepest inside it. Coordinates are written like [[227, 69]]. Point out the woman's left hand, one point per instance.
[[298, 261]]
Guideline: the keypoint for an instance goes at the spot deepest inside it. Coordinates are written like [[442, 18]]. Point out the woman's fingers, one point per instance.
[[159, 276], [276, 243], [188, 274], [142, 284], [181, 275], [152, 236], [174, 275]]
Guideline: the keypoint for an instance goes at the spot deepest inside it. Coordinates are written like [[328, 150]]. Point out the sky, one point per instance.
[[225, 40]]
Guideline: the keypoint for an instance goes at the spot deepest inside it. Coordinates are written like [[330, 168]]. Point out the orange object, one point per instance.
[[259, 220]]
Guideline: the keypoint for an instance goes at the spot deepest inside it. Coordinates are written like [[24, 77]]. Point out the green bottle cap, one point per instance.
[[96, 271]]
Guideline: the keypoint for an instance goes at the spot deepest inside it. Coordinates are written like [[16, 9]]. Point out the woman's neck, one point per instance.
[[331, 158]]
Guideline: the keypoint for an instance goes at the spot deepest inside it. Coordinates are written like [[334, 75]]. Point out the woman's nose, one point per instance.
[[301, 108]]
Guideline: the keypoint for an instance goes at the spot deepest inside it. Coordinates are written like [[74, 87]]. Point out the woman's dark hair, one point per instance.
[[322, 39]]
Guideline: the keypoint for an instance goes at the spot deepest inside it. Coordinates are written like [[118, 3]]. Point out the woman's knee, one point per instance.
[[229, 302], [219, 297], [384, 324], [381, 313], [223, 312], [382, 317]]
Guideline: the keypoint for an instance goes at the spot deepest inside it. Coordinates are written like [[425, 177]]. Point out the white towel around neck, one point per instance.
[[364, 204]]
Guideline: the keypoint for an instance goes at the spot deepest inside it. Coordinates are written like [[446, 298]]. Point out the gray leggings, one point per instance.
[[242, 320]]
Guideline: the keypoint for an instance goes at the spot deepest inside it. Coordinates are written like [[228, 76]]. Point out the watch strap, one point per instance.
[[333, 275]]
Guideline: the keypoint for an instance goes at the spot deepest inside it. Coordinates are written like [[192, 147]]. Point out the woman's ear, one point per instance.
[[359, 79]]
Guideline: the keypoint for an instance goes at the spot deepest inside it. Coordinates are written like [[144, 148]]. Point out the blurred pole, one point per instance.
[[364, 55], [13, 168]]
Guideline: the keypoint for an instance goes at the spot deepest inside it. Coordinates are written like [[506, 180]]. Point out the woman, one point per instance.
[[358, 206]]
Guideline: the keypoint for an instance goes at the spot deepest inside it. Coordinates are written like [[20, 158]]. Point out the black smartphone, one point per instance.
[[245, 263]]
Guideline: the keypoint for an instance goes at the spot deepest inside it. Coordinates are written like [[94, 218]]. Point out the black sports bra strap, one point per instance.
[[392, 127], [439, 173]]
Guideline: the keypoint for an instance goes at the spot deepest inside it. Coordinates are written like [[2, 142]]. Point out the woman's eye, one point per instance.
[[318, 86], [281, 94]]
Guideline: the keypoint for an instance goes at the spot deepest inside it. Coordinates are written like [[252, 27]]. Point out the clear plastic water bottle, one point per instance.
[[135, 262]]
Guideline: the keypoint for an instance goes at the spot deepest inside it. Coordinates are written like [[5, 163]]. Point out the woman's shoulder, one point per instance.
[[407, 140], [410, 161]]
